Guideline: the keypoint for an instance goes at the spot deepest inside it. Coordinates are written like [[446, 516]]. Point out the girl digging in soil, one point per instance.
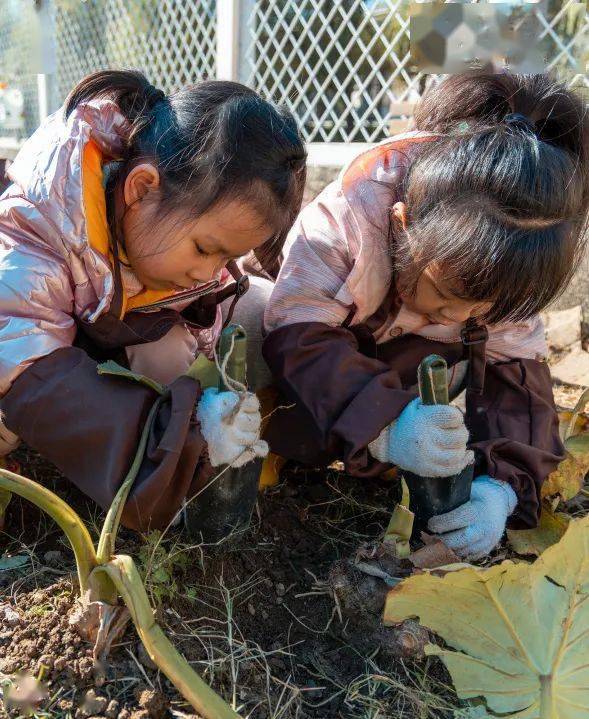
[[474, 218], [118, 240]]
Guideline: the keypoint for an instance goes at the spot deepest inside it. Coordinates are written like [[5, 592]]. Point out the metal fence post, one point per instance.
[[227, 39], [48, 101], [245, 68]]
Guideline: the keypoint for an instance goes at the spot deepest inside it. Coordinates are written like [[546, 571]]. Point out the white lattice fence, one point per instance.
[[343, 67], [172, 41]]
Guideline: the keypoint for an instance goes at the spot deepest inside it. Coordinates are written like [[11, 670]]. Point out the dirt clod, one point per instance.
[[112, 710], [8, 616], [154, 703], [94, 703]]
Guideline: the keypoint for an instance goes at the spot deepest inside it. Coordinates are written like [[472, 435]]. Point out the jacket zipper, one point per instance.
[[190, 294]]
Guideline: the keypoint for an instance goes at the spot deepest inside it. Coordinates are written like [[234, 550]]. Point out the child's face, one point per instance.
[[173, 253], [434, 298]]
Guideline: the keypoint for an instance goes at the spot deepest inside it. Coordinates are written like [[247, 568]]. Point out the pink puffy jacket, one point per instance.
[[55, 264]]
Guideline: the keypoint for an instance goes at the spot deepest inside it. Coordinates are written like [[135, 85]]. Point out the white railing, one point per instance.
[[342, 66]]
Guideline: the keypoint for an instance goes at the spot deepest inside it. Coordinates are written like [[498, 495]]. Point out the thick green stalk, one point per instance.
[[108, 536], [433, 380], [63, 514], [124, 575], [4, 502]]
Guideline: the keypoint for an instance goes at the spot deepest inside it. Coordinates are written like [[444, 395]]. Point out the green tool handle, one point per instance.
[[236, 366], [432, 376]]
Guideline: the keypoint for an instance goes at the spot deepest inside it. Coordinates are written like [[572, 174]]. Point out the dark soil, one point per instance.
[[254, 617]]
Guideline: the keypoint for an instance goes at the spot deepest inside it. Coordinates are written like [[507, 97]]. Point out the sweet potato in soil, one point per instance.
[[235, 611]]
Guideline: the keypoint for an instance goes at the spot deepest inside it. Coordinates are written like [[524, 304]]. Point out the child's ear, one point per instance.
[[140, 181]]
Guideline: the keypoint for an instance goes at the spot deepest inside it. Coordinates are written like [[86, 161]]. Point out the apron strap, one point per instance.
[[474, 339], [236, 289]]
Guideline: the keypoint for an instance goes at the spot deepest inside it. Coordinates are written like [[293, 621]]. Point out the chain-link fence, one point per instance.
[[342, 66], [173, 41]]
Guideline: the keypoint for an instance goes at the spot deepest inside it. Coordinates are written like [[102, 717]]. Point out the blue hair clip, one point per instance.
[[463, 127]]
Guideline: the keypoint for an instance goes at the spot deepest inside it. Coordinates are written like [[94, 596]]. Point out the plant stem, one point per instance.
[[63, 514], [108, 536], [123, 573], [579, 407], [5, 497], [433, 380]]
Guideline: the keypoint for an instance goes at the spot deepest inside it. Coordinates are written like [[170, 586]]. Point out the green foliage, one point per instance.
[[162, 567]]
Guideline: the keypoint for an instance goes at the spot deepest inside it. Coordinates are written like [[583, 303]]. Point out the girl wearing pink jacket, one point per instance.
[[447, 239], [118, 240]]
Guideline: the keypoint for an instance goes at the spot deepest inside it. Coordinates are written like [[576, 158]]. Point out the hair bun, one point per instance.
[[295, 163], [153, 95], [517, 119]]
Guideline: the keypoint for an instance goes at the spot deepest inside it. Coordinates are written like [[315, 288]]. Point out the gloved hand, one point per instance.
[[428, 440], [475, 528], [232, 435]]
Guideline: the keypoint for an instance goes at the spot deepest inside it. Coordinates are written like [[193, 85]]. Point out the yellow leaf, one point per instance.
[[549, 531], [571, 423], [567, 481], [400, 525], [581, 423], [520, 630]]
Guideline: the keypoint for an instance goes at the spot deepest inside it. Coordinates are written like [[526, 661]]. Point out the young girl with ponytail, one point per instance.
[[448, 239], [118, 240]]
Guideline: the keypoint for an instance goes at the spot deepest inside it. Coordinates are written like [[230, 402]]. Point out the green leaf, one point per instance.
[[549, 531], [517, 632], [205, 371], [7, 563], [160, 575], [116, 370]]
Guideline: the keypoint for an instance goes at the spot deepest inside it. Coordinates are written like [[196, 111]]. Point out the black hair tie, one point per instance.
[[294, 163], [517, 119], [153, 96]]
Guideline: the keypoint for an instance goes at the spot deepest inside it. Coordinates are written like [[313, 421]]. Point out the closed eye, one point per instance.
[[440, 295], [200, 250]]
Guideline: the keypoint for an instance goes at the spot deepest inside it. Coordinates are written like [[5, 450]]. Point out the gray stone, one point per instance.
[[563, 327], [573, 368]]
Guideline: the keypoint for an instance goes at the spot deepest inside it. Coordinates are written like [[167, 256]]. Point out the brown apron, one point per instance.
[[406, 352]]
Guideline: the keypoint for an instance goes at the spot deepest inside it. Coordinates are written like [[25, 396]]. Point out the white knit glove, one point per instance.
[[428, 440], [233, 437], [475, 528]]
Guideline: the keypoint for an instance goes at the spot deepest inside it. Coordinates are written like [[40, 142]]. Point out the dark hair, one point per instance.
[[498, 201], [210, 141]]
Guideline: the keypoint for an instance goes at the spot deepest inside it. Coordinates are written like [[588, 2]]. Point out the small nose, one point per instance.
[[459, 314], [206, 270]]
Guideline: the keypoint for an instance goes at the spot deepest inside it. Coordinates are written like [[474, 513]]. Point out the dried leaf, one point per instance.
[[549, 531], [434, 554], [520, 630], [567, 481], [581, 422]]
